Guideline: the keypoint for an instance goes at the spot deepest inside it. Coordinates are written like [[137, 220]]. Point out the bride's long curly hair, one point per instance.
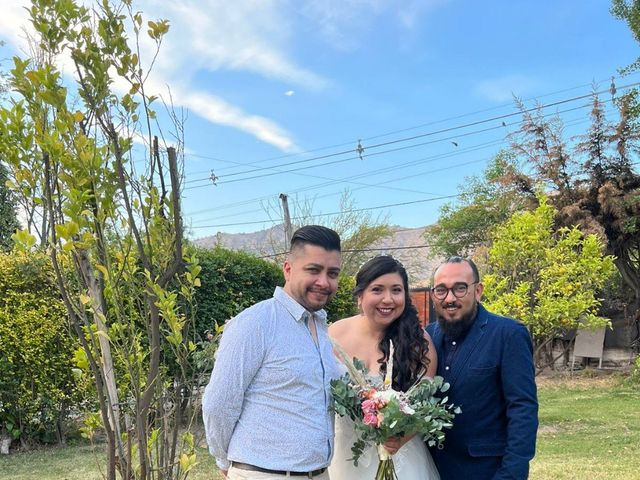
[[410, 360]]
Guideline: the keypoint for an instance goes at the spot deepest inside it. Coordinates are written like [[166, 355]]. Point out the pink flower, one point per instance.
[[369, 406], [370, 419], [369, 393]]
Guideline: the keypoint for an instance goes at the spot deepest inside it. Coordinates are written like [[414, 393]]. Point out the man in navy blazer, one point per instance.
[[488, 362]]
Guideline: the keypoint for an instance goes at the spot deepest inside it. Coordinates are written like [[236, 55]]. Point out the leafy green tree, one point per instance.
[[115, 222], [483, 203], [592, 183], [547, 279], [629, 11]]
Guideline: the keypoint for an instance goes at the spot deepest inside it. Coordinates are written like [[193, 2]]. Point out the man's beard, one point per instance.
[[458, 328]]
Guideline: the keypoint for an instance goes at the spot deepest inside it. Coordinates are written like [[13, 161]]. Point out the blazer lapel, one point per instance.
[[437, 342], [469, 344]]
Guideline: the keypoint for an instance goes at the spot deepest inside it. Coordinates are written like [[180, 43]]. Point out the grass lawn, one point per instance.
[[76, 463], [589, 429]]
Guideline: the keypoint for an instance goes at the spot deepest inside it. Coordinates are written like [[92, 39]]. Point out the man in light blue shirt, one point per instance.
[[266, 409]]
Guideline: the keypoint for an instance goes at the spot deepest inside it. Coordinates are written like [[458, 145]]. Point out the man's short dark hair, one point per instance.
[[456, 259], [316, 235]]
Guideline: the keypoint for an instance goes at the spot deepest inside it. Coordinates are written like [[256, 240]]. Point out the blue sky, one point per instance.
[[268, 83]]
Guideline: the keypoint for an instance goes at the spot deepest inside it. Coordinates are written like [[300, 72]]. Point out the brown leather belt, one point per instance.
[[253, 468]]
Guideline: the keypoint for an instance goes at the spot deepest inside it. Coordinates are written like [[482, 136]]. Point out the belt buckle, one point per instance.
[[313, 473]]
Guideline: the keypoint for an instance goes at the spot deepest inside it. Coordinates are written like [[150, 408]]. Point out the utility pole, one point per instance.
[[288, 231]]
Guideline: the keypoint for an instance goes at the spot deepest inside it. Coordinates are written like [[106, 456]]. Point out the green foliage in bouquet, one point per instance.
[[347, 401], [422, 410], [433, 414]]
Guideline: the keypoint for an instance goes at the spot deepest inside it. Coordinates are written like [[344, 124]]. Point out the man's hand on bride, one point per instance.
[[395, 443]]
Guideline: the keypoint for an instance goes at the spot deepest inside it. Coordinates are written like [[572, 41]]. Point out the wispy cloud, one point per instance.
[[345, 23], [242, 36], [13, 18], [253, 37], [411, 12], [342, 22], [211, 36], [216, 110], [502, 89]]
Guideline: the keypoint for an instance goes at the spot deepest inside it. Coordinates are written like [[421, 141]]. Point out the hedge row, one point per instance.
[[37, 387]]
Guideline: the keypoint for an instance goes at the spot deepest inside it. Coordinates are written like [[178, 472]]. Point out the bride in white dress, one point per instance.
[[386, 315]]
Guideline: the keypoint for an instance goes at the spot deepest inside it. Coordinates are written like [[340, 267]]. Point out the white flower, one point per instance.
[[386, 395], [406, 409]]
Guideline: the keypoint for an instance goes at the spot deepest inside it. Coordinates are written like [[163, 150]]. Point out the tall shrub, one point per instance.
[[548, 279], [230, 282], [37, 389]]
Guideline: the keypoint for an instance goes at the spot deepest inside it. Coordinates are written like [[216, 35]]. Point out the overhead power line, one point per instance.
[[375, 154], [450, 167], [220, 178], [330, 182], [406, 129], [383, 184], [377, 172]]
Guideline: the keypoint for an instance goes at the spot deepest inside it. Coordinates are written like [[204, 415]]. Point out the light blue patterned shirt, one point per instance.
[[268, 400]]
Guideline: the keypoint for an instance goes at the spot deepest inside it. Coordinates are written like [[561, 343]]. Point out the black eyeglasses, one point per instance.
[[459, 290]]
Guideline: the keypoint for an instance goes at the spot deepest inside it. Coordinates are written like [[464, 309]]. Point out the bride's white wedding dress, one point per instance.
[[412, 462]]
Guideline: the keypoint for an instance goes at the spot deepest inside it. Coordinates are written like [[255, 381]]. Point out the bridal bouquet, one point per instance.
[[380, 413]]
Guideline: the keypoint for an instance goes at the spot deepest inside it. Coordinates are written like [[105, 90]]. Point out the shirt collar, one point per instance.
[[297, 311]]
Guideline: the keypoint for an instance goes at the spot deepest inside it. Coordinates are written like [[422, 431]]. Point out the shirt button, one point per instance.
[[453, 343], [446, 368]]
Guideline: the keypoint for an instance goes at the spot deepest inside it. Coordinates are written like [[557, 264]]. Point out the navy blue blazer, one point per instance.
[[492, 379]]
